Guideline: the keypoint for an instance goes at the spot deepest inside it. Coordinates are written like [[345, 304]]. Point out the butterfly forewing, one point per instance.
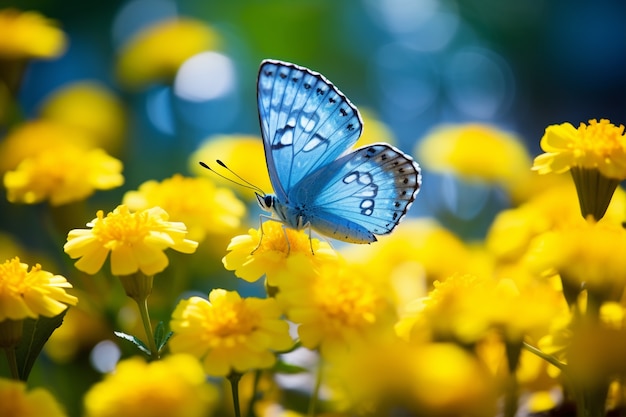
[[306, 122]]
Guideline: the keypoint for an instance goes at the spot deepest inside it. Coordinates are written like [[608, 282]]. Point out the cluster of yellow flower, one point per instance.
[[419, 323]]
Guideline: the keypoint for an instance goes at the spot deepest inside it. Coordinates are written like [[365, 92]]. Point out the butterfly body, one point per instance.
[[308, 127]]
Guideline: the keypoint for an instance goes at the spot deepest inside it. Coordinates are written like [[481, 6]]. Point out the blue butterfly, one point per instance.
[[308, 128]]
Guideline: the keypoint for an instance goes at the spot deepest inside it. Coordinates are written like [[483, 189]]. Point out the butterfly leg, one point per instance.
[[261, 217]]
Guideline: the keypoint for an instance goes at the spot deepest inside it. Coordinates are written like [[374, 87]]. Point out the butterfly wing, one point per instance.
[[361, 194], [306, 123]]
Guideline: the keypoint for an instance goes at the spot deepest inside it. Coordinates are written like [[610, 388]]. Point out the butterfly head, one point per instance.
[[266, 201]]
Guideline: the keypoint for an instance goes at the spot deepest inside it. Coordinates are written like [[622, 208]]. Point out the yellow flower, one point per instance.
[[229, 149], [599, 145], [31, 293], [172, 387], [39, 136], [595, 154], [70, 174], [478, 151], [229, 333], [251, 260], [136, 241], [415, 247], [156, 53], [553, 208], [465, 308], [15, 401], [29, 35], [90, 107], [335, 304], [590, 254], [197, 202], [436, 379]]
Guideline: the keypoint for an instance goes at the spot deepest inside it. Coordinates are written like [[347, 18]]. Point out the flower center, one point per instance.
[[13, 277], [121, 227], [350, 302], [603, 138], [231, 320]]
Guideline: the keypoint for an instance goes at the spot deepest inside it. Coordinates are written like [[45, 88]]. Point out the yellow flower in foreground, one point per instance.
[[477, 151], [203, 207], [336, 305], [590, 254], [15, 401], [437, 379], [599, 145], [25, 293], [156, 53], [29, 35], [229, 149], [172, 387], [229, 333], [68, 175], [90, 107], [136, 241], [465, 308], [251, 260]]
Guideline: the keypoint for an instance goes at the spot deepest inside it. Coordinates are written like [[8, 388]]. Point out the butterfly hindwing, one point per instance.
[[306, 122], [361, 194]]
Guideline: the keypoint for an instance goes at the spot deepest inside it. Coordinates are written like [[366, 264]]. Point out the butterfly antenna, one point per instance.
[[244, 183]]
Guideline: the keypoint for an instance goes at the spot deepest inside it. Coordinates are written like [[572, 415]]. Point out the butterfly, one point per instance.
[[308, 128]]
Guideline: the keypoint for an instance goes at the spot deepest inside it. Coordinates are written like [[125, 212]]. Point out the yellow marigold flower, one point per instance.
[[229, 333], [197, 202], [478, 151], [465, 308], [173, 387], [592, 254], [68, 175], [90, 107], [15, 401], [415, 245], [595, 154], [436, 379], [553, 208], [39, 136], [229, 149], [156, 53], [336, 304], [251, 260], [600, 145], [29, 35], [31, 293], [136, 241]]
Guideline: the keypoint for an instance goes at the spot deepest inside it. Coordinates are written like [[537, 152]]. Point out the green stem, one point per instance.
[[316, 392], [234, 379], [12, 360], [145, 318], [548, 358]]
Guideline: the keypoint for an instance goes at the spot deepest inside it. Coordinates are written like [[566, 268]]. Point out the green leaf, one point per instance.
[[135, 341], [161, 337], [286, 368], [36, 333]]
